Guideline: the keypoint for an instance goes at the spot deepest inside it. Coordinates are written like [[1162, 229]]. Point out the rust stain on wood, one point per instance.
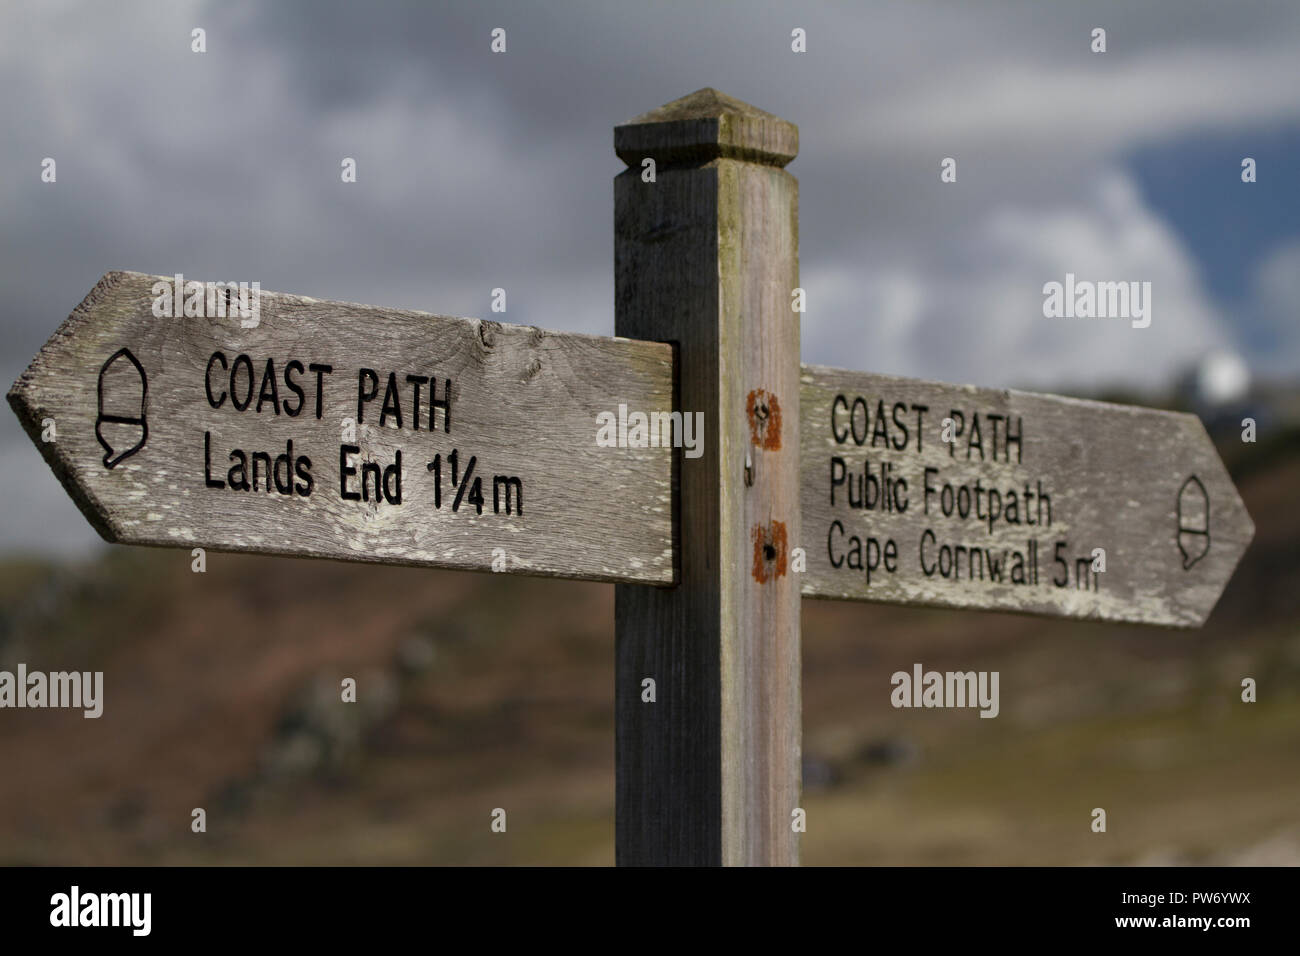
[[763, 410], [769, 551]]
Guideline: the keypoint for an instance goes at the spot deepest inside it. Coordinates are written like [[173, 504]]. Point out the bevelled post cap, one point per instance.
[[706, 125]]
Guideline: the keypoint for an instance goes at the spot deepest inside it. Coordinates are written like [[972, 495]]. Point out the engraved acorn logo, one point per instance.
[[120, 426], [1193, 521]]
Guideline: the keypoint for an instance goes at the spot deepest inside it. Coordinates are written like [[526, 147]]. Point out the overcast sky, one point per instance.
[[478, 170]]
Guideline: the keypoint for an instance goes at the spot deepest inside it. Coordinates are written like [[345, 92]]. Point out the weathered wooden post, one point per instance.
[[706, 257], [1080, 509]]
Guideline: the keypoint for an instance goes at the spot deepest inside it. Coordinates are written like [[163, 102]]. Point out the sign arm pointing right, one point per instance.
[[924, 493]]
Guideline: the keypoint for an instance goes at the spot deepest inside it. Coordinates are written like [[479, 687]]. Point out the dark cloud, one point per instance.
[[478, 170]]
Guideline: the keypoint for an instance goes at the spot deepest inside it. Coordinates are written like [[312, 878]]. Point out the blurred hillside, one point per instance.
[[482, 691]]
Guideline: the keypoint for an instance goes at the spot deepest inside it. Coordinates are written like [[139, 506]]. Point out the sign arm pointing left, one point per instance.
[[327, 429]]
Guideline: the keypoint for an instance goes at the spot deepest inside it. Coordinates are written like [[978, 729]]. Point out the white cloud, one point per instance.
[[1095, 107], [1275, 292], [972, 310]]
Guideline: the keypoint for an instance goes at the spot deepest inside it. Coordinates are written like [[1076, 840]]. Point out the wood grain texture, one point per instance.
[[706, 257], [1141, 484], [524, 404], [707, 125]]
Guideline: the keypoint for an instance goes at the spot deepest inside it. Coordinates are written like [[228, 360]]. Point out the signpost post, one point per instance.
[[324, 429], [706, 256]]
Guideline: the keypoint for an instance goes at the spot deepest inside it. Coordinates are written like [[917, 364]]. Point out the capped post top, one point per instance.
[[707, 125]]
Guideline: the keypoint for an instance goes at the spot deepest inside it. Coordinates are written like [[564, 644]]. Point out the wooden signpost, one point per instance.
[[706, 256], [345, 431], [1033, 503], [693, 462]]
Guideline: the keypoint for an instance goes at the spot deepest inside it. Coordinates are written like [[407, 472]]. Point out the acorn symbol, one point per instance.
[[1193, 521], [120, 426]]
